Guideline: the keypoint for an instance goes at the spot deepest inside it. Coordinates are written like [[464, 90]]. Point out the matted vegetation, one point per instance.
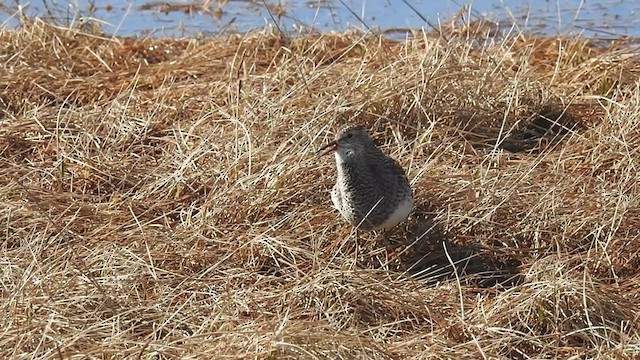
[[162, 198]]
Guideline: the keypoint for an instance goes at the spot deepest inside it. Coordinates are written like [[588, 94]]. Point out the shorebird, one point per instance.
[[372, 191]]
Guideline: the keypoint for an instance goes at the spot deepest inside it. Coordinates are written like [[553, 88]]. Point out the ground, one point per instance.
[[162, 198]]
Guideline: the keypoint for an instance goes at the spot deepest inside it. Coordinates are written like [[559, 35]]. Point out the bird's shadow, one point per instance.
[[426, 252]]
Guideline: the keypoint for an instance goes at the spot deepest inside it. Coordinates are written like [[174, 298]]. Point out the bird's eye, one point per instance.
[[348, 136]]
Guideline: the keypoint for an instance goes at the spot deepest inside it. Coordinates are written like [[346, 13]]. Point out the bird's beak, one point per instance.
[[332, 146]]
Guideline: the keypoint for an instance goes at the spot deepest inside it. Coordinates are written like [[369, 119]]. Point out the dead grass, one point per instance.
[[161, 198]]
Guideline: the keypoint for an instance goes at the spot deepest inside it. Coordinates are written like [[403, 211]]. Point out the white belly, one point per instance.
[[399, 214]]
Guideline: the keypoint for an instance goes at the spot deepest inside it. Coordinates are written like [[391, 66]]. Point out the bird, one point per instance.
[[372, 191]]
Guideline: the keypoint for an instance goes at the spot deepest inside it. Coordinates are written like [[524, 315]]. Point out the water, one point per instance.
[[177, 18]]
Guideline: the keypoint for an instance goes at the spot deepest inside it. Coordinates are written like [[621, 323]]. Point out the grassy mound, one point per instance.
[[162, 199]]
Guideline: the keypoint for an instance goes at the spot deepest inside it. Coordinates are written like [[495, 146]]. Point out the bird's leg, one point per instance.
[[386, 234], [356, 244], [386, 237]]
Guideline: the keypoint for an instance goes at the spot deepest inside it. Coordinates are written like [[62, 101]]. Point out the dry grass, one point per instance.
[[161, 198]]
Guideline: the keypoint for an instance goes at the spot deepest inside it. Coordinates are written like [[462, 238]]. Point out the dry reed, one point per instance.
[[161, 198]]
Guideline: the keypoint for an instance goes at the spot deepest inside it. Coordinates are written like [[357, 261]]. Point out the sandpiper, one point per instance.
[[372, 191]]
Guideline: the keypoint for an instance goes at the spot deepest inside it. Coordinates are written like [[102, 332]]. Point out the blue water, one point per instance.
[[601, 19]]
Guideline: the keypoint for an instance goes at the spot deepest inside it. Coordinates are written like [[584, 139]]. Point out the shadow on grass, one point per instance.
[[429, 254], [544, 129]]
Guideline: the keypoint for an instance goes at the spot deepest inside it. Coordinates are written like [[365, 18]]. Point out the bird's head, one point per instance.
[[348, 143]]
